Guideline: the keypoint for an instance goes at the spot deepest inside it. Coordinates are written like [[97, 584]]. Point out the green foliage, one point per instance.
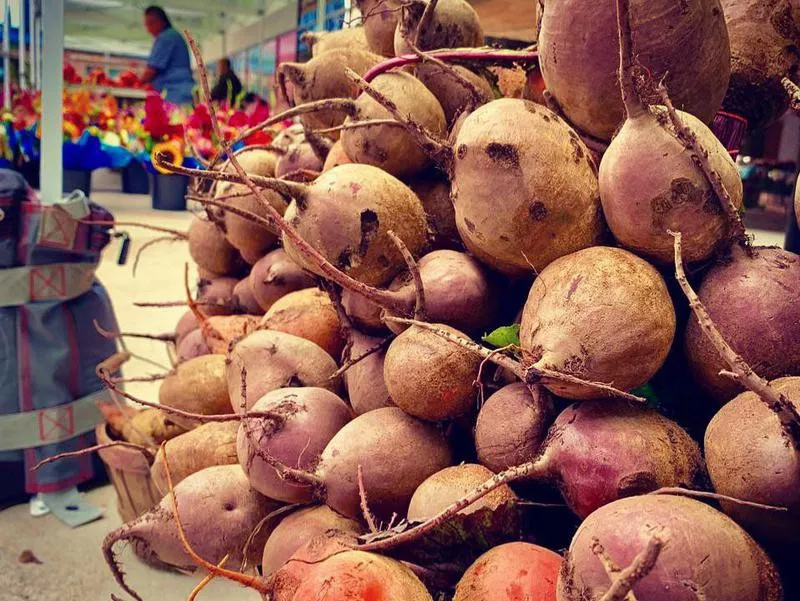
[[503, 336]]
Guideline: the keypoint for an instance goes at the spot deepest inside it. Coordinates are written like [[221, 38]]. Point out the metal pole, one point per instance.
[[22, 31], [52, 89], [34, 45], [321, 4], [6, 55]]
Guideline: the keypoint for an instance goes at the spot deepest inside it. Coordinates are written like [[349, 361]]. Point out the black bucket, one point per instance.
[[169, 192], [77, 180], [135, 179]]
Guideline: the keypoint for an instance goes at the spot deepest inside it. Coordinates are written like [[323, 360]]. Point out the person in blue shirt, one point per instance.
[[169, 68]]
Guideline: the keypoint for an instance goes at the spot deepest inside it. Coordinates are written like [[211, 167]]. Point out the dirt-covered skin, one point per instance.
[[209, 248], [396, 453], [512, 425], [324, 77], [366, 387], [393, 149], [765, 47], [252, 240], [748, 457], [296, 529], [198, 386], [346, 213], [601, 314], [754, 304], [512, 572], [550, 202], [687, 41], [275, 360], [650, 185], [311, 417], [705, 554], [600, 451], [447, 486], [300, 156], [429, 377], [450, 91], [310, 314], [359, 576], [275, 276], [454, 24], [325, 41], [206, 446], [433, 190], [380, 21], [218, 511]]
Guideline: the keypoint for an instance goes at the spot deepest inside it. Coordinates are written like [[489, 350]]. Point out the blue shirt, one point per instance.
[[169, 58]]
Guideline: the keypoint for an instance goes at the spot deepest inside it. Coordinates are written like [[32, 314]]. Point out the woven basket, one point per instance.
[[129, 472]]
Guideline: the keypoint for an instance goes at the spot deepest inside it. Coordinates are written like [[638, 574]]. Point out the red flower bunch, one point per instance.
[[157, 120]]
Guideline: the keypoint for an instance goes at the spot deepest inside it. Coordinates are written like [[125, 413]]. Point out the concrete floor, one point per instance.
[[72, 566]]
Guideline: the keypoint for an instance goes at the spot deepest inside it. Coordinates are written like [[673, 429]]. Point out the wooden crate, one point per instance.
[[129, 472]]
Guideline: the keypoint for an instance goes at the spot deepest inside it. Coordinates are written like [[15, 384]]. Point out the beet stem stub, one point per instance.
[[783, 408], [640, 567], [630, 98]]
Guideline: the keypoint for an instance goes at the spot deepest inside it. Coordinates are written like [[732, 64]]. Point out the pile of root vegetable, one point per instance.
[[454, 345]]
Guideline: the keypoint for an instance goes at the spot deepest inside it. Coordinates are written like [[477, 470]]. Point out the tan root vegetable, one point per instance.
[[197, 386]]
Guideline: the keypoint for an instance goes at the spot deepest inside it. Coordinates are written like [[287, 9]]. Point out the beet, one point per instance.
[[512, 425], [704, 553], [396, 452], [380, 21], [649, 184], [364, 314], [300, 156], [686, 41], [391, 148], [276, 275], [764, 38], [753, 303], [186, 324], [216, 296], [433, 191], [192, 345], [209, 248], [325, 41], [454, 24], [275, 360], [429, 377], [311, 417], [337, 156], [519, 147], [748, 458], [451, 92], [246, 300], [364, 203], [366, 387], [601, 314]]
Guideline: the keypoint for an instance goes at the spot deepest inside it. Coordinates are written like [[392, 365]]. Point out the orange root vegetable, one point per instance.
[[511, 572], [197, 386], [686, 42], [275, 360], [512, 425], [206, 446], [359, 576], [220, 330], [601, 314], [299, 527], [309, 314]]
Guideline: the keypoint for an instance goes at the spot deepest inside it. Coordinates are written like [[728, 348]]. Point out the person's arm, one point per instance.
[[158, 60], [148, 75]]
